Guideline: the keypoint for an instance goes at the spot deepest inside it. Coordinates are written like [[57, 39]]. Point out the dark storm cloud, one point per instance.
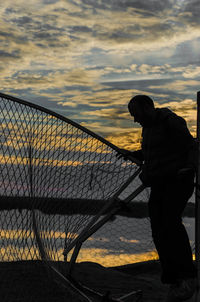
[[149, 20], [190, 12], [13, 54], [161, 90], [151, 5], [7, 37], [123, 5], [118, 35], [5, 34], [22, 20], [43, 35], [84, 29], [134, 32], [50, 1], [10, 10], [67, 48], [37, 23], [137, 84], [40, 31]]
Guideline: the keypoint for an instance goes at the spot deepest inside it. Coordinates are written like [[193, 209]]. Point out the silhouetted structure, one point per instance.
[[59, 183]]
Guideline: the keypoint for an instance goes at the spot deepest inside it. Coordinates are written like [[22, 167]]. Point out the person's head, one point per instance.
[[141, 107]]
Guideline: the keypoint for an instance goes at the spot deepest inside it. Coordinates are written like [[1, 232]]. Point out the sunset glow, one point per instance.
[[86, 59]]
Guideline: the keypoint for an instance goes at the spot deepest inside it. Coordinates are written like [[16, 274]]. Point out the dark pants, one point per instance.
[[166, 204]]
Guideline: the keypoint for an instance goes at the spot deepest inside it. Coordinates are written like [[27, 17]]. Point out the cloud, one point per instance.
[[109, 113], [178, 85], [189, 12], [90, 57], [139, 24], [192, 72], [187, 71], [125, 138], [8, 55], [129, 140], [150, 7], [116, 96], [68, 31]]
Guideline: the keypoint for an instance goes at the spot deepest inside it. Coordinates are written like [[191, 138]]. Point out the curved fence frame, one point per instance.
[[59, 116], [105, 213]]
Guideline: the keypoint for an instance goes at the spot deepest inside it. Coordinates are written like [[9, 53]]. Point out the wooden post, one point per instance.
[[197, 203]]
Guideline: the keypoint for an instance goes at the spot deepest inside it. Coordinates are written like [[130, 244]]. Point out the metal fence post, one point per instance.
[[197, 201]]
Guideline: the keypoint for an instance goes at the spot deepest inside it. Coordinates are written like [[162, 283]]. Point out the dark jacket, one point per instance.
[[166, 147]]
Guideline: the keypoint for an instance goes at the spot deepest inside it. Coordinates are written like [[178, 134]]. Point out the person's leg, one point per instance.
[[159, 238], [176, 248], [166, 204]]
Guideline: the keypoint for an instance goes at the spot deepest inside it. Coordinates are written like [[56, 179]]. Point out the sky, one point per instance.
[[85, 59]]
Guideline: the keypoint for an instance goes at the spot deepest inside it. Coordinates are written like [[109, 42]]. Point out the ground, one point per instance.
[[30, 281], [124, 279]]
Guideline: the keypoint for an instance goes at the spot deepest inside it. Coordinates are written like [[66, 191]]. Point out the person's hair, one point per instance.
[[141, 100]]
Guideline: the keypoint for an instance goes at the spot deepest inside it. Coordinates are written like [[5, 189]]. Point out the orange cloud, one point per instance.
[[128, 140]]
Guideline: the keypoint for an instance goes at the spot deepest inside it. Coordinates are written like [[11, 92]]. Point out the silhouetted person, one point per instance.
[[168, 168]]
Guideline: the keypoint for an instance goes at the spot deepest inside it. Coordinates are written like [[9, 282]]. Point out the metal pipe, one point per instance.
[[197, 204]]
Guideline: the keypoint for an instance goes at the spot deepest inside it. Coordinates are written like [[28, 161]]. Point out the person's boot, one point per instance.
[[182, 290]]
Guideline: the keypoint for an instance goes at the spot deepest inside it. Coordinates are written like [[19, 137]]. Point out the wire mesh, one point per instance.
[[55, 176]]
